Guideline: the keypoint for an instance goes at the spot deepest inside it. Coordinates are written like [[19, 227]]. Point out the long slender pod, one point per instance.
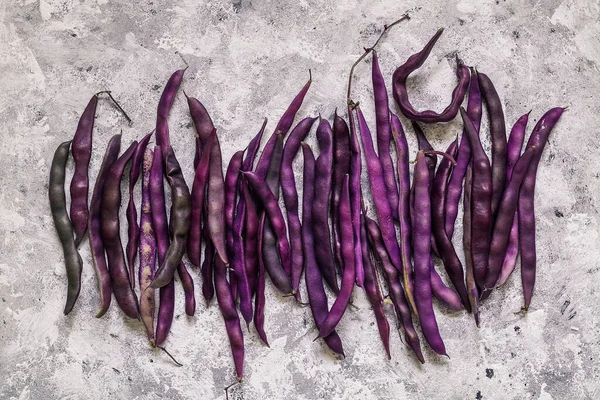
[[259, 298], [538, 138], [355, 190], [290, 199], [215, 200], [443, 293], [95, 225], [62, 224], [187, 282], [474, 111], [312, 275], [422, 250], [164, 106], [147, 250], [472, 289], [250, 232], [498, 136], [81, 149], [515, 143], [207, 268]]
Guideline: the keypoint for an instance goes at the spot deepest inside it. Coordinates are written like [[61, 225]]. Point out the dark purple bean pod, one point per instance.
[[290, 199], [250, 232], [312, 275], [252, 148], [194, 243], [164, 106], [474, 110], [341, 167], [133, 229], [188, 289], [397, 294], [166, 308], [207, 268], [181, 210], [443, 293], [378, 189], [111, 202], [481, 198], [202, 122], [259, 300], [348, 276], [515, 143], [234, 239], [371, 286], [413, 63], [504, 219], [498, 135], [538, 138], [404, 210], [215, 200], [147, 250], [320, 212], [230, 316], [273, 212], [81, 149], [355, 192], [446, 249], [422, 250], [95, 226], [283, 126], [62, 224], [472, 290], [384, 135]]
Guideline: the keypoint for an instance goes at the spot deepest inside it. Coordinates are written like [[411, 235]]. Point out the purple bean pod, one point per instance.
[[443, 293], [147, 250], [413, 63], [250, 232], [474, 110], [504, 219], [378, 189], [481, 198], [133, 229], [515, 143], [215, 201], [207, 269], [384, 135], [422, 250], [538, 138], [348, 277], [355, 192], [81, 149], [164, 106], [202, 122], [259, 300], [95, 226], [397, 294], [320, 213], [290, 199], [188, 289], [312, 275], [404, 210], [341, 167], [472, 290]]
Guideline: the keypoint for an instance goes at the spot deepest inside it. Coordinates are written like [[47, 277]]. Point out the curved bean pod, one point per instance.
[[290, 199], [179, 224], [413, 63], [384, 135], [498, 134], [164, 106], [348, 277], [443, 293], [166, 310], [515, 143], [133, 229], [62, 224], [147, 250], [215, 201], [341, 167], [538, 138], [397, 295], [202, 122], [188, 289], [422, 249], [504, 218], [95, 225], [481, 197], [404, 211], [81, 149], [259, 300], [474, 110], [312, 275], [111, 201], [320, 213]]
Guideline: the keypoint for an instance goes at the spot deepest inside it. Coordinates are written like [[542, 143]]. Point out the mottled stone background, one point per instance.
[[247, 59]]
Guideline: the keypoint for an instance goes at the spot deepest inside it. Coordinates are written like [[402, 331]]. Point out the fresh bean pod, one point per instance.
[[498, 135], [147, 250], [187, 282], [259, 300], [250, 228], [341, 167], [312, 275], [472, 290], [215, 201], [355, 191], [539, 137], [290, 199], [111, 202], [62, 224], [443, 293], [207, 268], [95, 225], [413, 63], [81, 149], [164, 106]]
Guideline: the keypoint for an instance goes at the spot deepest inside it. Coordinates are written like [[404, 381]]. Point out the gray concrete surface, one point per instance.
[[247, 59]]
